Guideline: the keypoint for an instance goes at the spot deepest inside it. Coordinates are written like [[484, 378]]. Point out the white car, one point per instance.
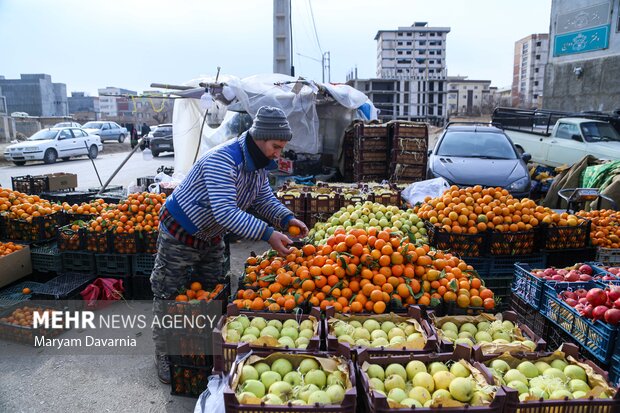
[[48, 145]]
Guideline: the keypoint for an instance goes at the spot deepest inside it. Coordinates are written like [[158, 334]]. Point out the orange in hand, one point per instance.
[[294, 230]]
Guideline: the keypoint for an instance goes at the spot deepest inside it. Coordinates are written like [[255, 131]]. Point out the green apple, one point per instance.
[[554, 372], [528, 369], [270, 377], [483, 326], [281, 366], [575, 372], [470, 328], [387, 326], [255, 331], [411, 403], [289, 332], [396, 369], [275, 323], [441, 395], [244, 320], [258, 322], [519, 386], [293, 378], [248, 338], [306, 325], [413, 368], [285, 341], [336, 393], [442, 379], [579, 394], [291, 323], [462, 389], [459, 370], [394, 382], [376, 371], [542, 366], [270, 331], [371, 325], [449, 326], [539, 393], [261, 367], [255, 387], [425, 380], [376, 384], [248, 373], [361, 333], [378, 334], [559, 364], [435, 367], [316, 377], [420, 394], [561, 395], [500, 366], [483, 337], [319, 397], [397, 395], [578, 385], [515, 375], [281, 389]]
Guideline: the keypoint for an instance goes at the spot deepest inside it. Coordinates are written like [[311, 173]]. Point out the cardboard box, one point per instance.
[[285, 165], [15, 266], [61, 180]]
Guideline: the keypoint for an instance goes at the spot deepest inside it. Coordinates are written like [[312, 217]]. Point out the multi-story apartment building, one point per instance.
[[35, 94], [467, 96], [530, 57], [113, 106], [584, 58], [411, 74], [80, 102]]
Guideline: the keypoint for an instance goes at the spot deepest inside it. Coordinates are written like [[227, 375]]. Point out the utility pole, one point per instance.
[[282, 38]]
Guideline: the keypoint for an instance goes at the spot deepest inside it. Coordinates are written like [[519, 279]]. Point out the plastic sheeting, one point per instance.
[[297, 98]]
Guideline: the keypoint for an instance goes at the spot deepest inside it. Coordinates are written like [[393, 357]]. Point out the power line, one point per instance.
[[314, 26]]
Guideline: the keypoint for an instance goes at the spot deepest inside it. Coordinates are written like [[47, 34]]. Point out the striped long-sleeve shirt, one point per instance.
[[220, 187]]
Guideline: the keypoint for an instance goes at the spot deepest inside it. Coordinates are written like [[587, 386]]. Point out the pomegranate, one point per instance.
[[599, 312], [562, 271], [571, 301], [557, 277], [612, 316], [585, 277], [581, 292], [572, 276], [614, 293], [569, 294], [596, 297], [587, 311], [549, 272], [586, 269], [584, 301]]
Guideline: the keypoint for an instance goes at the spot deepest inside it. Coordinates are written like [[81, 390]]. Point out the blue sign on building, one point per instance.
[[581, 41]]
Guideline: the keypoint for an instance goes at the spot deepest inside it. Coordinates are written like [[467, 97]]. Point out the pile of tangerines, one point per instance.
[[477, 209], [7, 248], [94, 207], [605, 231], [360, 271], [140, 211], [195, 291], [17, 205]]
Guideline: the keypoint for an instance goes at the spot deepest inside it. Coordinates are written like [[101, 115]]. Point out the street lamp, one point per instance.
[[325, 64]]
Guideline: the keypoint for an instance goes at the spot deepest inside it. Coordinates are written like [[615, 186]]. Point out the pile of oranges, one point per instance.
[[7, 248], [23, 316], [94, 207], [196, 292], [140, 211], [360, 271], [25, 207], [477, 209], [605, 231]]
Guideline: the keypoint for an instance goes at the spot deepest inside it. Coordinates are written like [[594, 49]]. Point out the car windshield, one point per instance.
[[63, 125], [92, 125], [471, 144], [43, 135], [599, 132]]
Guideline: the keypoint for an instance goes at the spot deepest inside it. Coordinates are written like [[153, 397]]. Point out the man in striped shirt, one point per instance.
[[210, 202]]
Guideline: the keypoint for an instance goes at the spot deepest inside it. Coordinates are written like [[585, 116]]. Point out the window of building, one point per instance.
[[400, 34], [422, 42], [538, 44], [408, 43], [432, 34], [399, 52], [537, 57], [536, 83], [400, 43], [408, 51], [399, 71], [536, 70], [535, 95], [409, 34], [475, 96], [475, 87], [431, 70]]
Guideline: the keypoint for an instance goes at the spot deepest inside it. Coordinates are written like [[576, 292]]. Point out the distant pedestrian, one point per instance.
[[145, 129], [134, 136]]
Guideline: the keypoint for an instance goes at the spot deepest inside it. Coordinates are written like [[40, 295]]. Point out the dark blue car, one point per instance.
[[479, 154]]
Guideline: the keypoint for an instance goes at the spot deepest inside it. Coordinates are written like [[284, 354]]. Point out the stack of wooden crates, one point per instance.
[[394, 151]]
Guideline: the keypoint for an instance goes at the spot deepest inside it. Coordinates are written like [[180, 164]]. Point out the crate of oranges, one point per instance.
[[16, 324], [70, 237], [195, 300]]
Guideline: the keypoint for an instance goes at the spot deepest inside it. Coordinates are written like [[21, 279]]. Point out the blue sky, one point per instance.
[[89, 44]]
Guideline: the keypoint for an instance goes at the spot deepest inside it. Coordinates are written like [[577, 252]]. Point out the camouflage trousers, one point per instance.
[[175, 264]]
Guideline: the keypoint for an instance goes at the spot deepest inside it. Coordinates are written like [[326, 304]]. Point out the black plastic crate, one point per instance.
[[500, 285], [530, 316], [482, 265], [124, 242], [188, 381], [46, 258], [13, 294], [78, 262], [506, 265], [561, 238], [512, 243], [148, 241], [64, 287], [142, 264], [190, 349], [141, 287], [28, 184], [114, 265], [25, 334], [36, 229], [565, 258], [470, 245], [95, 241], [75, 197], [70, 239]]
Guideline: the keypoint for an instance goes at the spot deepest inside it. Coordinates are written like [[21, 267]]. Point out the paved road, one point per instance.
[[106, 164]]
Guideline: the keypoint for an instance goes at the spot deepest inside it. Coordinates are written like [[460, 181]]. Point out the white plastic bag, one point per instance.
[[417, 191], [212, 399]]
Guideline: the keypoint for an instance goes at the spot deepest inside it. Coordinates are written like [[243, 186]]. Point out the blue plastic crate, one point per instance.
[[526, 286], [614, 370], [142, 264], [46, 258], [599, 270], [597, 337]]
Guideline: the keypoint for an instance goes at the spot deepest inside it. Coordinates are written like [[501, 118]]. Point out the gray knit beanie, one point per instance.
[[270, 124]]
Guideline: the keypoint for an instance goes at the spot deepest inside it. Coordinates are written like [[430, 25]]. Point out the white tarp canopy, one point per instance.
[[228, 104]]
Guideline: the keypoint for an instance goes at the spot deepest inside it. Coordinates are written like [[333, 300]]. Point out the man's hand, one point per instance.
[[280, 243], [298, 223]]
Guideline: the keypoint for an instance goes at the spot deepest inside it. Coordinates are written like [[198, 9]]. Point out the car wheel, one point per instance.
[[121, 138], [65, 159], [19, 163], [50, 156], [156, 154], [93, 151]]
